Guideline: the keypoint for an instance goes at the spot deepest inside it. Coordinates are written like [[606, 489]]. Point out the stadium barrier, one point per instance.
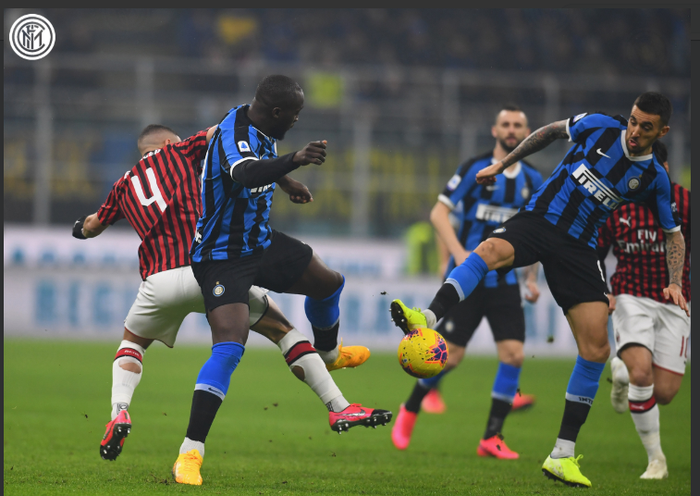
[[58, 287]]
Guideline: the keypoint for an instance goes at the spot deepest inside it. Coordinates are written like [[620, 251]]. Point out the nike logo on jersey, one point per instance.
[[600, 152], [626, 221], [596, 187]]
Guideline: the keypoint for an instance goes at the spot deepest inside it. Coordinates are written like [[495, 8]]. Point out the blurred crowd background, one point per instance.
[[401, 95]]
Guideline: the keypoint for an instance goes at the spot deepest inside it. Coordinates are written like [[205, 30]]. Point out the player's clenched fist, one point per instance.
[[313, 153]]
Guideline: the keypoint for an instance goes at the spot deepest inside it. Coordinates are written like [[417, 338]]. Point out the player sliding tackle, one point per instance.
[[610, 164]]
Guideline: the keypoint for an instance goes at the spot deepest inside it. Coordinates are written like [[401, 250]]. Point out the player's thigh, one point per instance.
[[573, 273], [223, 282], [290, 266], [632, 323], [163, 301], [671, 331], [460, 322]]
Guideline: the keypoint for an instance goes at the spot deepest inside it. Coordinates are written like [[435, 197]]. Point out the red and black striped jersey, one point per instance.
[[160, 198], [639, 247]]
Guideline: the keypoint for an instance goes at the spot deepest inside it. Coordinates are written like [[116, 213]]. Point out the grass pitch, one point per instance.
[[271, 435]]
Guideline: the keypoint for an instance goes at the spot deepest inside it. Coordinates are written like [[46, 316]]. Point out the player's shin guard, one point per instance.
[[128, 359], [582, 388], [307, 365], [645, 414], [505, 386], [211, 388], [324, 318]]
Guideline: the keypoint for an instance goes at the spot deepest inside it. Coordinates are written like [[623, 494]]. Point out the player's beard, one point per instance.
[[507, 148]]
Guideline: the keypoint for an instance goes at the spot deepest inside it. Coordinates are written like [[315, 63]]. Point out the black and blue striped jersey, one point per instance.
[[234, 220], [597, 175], [485, 206]]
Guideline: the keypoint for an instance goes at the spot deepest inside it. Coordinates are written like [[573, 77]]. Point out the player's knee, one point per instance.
[[595, 351], [642, 377]]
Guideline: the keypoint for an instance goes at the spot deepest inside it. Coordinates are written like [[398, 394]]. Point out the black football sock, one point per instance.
[[445, 298], [204, 408], [499, 411]]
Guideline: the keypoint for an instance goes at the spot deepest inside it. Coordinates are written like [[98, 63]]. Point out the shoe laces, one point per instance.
[[190, 458], [576, 460]]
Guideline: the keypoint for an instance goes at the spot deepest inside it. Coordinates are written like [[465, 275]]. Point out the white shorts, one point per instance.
[[166, 298], [663, 328]]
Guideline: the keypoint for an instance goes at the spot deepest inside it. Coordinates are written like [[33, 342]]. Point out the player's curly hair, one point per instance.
[[276, 90]]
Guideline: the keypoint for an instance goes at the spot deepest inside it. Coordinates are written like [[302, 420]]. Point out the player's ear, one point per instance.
[[276, 111], [493, 131], [663, 132]]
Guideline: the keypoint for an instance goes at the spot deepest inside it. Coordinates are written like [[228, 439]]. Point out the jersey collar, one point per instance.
[[627, 153]]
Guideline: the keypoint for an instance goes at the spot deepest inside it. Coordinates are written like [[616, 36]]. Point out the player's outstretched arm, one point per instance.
[[675, 257], [88, 226], [537, 141]]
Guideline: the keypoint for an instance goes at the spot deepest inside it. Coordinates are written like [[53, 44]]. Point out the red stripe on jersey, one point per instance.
[[129, 352], [639, 246], [297, 351], [642, 406], [160, 198]]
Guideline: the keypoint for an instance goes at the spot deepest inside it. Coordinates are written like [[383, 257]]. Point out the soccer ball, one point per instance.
[[422, 353]]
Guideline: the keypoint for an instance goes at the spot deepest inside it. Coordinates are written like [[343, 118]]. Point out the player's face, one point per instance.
[[287, 115], [642, 130], [510, 129]]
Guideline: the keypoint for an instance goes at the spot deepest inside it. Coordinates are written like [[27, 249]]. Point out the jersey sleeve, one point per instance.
[[459, 185], [110, 211], [576, 125], [663, 207], [194, 147], [237, 148]]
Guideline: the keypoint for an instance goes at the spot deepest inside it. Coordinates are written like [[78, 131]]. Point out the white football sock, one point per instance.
[[124, 382], [647, 423], [188, 444], [563, 448], [430, 318], [299, 352]]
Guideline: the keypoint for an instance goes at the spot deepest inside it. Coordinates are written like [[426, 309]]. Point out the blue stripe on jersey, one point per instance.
[[596, 176], [485, 207], [234, 220]]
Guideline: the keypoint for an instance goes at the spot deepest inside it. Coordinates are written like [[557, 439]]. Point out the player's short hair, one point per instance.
[[509, 107], [655, 103], [276, 90], [660, 151], [152, 129]]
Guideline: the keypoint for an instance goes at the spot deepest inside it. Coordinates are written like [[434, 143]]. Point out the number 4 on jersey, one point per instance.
[[157, 195]]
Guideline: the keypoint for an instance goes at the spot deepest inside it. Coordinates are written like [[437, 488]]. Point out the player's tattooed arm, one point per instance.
[[675, 257], [537, 141]]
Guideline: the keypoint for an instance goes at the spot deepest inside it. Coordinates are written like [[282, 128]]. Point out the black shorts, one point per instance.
[[570, 266], [501, 306], [277, 269]]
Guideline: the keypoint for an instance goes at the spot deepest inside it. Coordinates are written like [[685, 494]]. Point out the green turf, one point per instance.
[[271, 435]]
